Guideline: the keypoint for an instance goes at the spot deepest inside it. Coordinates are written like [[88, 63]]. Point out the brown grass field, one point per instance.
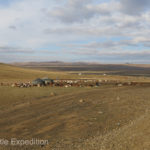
[[107, 117]]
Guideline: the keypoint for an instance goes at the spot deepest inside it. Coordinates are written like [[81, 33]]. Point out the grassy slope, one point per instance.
[[12, 73]]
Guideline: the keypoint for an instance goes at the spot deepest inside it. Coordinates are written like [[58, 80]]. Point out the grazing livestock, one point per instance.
[[76, 83], [73, 83], [1, 84], [120, 85], [21, 85]]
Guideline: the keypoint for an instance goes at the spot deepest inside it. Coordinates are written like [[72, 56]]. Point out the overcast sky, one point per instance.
[[105, 31]]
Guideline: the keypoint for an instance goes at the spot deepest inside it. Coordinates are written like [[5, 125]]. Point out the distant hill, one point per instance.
[[53, 63], [82, 66]]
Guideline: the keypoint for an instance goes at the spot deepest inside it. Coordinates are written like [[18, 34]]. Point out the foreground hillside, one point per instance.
[[77, 118], [133, 136]]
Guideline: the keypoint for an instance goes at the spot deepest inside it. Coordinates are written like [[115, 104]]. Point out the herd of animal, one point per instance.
[[60, 83], [70, 83]]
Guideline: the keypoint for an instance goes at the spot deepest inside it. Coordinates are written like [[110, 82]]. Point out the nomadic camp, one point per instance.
[[48, 81], [38, 82]]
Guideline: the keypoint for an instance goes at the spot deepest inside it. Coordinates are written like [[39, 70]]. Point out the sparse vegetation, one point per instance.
[[76, 118]]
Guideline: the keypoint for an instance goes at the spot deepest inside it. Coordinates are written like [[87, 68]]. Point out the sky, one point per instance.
[[104, 31]]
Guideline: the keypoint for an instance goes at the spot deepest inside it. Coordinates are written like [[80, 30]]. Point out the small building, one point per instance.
[[48, 81], [38, 82]]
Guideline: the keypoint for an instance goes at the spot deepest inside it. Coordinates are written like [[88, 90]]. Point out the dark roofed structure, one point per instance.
[[38, 82], [48, 81]]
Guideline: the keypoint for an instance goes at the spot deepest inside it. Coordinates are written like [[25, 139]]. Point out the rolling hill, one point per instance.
[[15, 73]]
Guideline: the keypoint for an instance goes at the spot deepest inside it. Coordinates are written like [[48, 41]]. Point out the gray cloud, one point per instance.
[[115, 56], [86, 31], [7, 49], [77, 11], [12, 27], [113, 53], [106, 45], [134, 7]]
